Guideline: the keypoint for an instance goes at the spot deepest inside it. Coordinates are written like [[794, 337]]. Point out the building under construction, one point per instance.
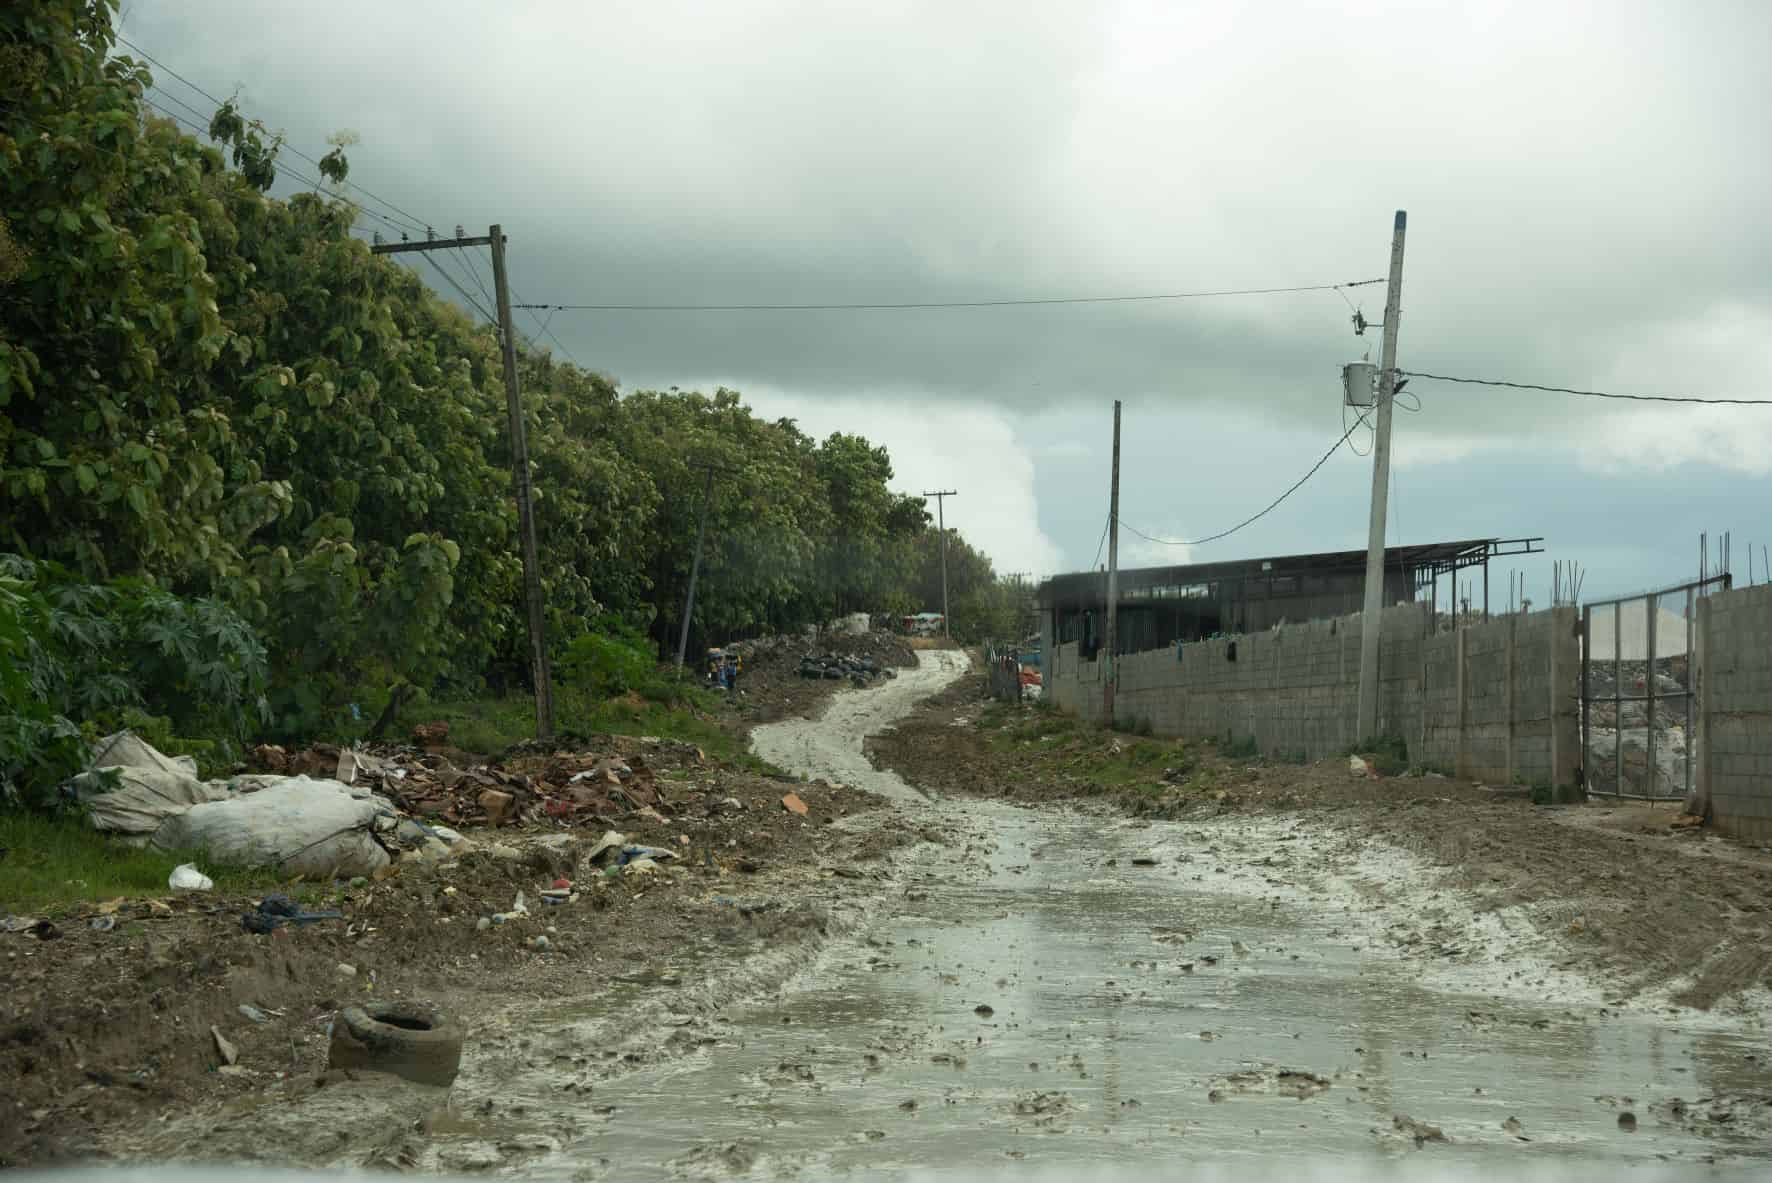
[[1160, 606]]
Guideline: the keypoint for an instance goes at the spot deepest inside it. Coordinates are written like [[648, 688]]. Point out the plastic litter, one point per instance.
[[186, 877], [276, 910], [300, 826]]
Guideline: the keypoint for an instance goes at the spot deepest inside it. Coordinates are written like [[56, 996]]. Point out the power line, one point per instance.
[[461, 291], [1324, 459], [1093, 563], [909, 305], [283, 169], [1635, 398], [418, 224]]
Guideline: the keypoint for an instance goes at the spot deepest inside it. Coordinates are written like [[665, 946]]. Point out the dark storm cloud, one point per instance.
[[1584, 181]]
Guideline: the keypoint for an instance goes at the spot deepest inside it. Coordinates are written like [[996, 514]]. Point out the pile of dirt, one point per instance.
[[1628, 892], [106, 1026], [772, 686]]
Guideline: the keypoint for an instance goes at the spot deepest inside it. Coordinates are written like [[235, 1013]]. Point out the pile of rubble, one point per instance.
[[861, 671], [572, 787]]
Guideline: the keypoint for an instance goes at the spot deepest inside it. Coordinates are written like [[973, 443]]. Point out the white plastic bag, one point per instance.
[[298, 825], [186, 877]]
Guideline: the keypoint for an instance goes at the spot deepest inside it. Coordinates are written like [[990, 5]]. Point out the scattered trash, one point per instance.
[[186, 877], [102, 923], [562, 884], [35, 926], [539, 943], [498, 806], [793, 804], [608, 842], [482, 924], [346, 970], [632, 854], [1358, 767], [229, 1053], [1627, 1121], [252, 1014], [519, 909], [276, 910]]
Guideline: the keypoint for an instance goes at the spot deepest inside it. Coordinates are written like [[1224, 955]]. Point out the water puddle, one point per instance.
[[1031, 1003]]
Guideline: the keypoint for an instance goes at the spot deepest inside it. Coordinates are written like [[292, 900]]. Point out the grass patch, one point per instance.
[[53, 862], [1240, 749], [488, 726]]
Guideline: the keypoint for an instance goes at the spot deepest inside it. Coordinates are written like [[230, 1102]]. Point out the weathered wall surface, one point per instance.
[[1735, 709], [1495, 701]]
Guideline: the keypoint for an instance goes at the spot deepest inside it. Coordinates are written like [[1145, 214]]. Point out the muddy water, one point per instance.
[[831, 745], [1137, 1015]]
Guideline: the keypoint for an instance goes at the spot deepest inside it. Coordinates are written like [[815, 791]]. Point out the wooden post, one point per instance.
[[538, 646]]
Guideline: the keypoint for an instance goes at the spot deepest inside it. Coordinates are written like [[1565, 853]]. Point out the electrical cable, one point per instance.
[[912, 305], [417, 224], [461, 291], [1636, 398], [283, 169], [1093, 563], [1271, 506]]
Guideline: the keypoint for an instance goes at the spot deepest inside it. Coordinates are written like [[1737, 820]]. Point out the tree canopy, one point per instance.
[[226, 397]]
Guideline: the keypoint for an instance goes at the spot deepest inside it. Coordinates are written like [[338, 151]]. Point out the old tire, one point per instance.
[[406, 1039]]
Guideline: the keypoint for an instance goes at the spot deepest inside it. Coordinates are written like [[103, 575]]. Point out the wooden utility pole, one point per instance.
[[1372, 616], [701, 529], [1110, 672], [942, 525], [538, 646]]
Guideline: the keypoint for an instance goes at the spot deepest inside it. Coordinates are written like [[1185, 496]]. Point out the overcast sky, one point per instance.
[[1585, 183]]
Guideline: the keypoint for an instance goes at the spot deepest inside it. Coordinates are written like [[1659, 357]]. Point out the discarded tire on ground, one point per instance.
[[407, 1039]]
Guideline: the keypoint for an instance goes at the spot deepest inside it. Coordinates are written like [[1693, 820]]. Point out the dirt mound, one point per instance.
[[103, 1028]]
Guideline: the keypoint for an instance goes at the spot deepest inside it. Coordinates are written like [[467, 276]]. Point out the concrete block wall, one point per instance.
[[1735, 710], [1494, 701]]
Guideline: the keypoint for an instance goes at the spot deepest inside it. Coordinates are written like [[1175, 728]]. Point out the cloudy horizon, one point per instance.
[[1584, 182]]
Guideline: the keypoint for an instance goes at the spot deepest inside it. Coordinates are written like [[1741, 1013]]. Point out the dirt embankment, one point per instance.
[[103, 1028], [772, 686], [1656, 909]]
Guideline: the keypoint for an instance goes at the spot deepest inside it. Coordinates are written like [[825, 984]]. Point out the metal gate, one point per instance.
[[1637, 692]]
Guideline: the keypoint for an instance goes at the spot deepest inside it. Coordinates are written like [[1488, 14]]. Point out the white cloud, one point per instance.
[[972, 449]]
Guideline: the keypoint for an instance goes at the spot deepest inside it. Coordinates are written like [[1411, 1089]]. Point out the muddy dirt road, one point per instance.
[[1065, 988]]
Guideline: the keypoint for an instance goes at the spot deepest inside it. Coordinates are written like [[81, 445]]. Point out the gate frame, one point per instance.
[[1693, 590]]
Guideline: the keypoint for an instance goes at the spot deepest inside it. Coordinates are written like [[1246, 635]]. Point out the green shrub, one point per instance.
[[1240, 749], [114, 655]]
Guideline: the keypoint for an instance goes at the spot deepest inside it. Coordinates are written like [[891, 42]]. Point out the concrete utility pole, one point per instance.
[[538, 646], [1371, 618], [942, 525], [1110, 673], [701, 529]]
